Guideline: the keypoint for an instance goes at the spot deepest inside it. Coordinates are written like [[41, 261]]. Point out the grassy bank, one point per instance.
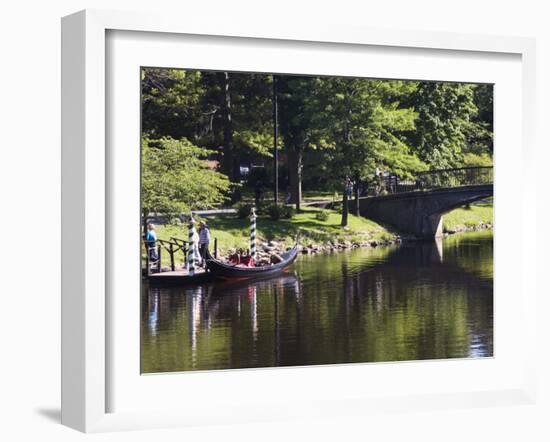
[[233, 232], [466, 218]]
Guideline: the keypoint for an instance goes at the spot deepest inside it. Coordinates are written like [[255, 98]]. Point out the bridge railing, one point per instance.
[[461, 176], [431, 180]]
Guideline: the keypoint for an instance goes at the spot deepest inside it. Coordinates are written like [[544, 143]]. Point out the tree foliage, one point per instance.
[[171, 104], [445, 112], [176, 178], [479, 133], [329, 128], [363, 121]]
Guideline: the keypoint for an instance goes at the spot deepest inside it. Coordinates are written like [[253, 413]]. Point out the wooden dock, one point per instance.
[[176, 273], [178, 277]]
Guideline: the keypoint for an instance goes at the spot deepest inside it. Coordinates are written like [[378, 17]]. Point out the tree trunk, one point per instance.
[[145, 213], [295, 176], [356, 194], [228, 164], [345, 208]]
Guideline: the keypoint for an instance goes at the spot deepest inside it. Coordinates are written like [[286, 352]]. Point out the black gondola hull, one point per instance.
[[221, 270]]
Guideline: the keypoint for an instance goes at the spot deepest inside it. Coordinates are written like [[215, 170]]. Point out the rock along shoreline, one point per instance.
[[266, 249]]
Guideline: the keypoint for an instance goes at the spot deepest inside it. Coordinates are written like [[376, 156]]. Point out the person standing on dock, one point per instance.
[[151, 241], [204, 240], [195, 245], [194, 256]]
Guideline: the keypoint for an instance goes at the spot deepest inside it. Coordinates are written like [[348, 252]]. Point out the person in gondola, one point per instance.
[[204, 240], [235, 258], [241, 259], [248, 261]]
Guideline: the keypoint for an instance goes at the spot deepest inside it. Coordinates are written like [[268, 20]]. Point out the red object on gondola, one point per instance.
[[242, 261]]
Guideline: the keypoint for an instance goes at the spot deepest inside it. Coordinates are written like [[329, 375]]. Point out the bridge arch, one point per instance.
[[420, 212]]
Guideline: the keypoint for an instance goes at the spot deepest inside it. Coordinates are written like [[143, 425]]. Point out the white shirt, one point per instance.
[[204, 236]]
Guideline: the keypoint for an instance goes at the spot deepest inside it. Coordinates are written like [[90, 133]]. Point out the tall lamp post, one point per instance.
[[275, 136]]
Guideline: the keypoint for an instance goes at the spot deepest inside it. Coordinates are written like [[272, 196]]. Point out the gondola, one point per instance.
[[221, 270]]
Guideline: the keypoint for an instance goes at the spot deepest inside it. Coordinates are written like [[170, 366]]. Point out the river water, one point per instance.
[[408, 302]]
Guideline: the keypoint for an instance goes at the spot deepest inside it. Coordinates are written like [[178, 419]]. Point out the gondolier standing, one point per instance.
[[204, 240]]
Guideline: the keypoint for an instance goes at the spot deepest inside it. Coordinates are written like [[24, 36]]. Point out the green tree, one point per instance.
[[363, 121], [299, 126], [171, 104], [253, 114], [224, 111], [445, 111], [230, 163], [176, 178], [241, 127], [479, 130]]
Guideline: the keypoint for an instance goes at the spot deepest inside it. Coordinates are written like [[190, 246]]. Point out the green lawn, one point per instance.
[[468, 217], [233, 232], [311, 195]]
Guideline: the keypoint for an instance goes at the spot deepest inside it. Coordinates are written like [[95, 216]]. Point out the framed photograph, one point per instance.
[[271, 223]]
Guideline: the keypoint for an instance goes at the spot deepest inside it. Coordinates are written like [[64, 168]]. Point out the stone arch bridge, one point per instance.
[[417, 206]]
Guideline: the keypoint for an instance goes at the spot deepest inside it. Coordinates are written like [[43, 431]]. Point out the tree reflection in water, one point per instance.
[[417, 301]]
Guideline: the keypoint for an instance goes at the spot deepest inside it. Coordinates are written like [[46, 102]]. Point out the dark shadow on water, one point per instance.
[[51, 414], [417, 301]]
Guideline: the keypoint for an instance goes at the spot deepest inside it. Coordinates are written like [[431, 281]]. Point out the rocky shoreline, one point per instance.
[[269, 248], [467, 228], [266, 249]]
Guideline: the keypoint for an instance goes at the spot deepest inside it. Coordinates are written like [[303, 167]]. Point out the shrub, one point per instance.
[[244, 210], [287, 212], [276, 212], [262, 209], [322, 215], [176, 221]]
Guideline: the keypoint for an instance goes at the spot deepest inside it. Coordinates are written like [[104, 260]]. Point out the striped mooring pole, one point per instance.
[[191, 258], [253, 233]]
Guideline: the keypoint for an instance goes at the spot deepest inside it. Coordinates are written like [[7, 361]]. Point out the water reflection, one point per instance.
[[153, 310], [418, 301]]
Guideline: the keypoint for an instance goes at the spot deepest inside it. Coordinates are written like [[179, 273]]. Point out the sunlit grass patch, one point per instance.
[[468, 216], [232, 232]]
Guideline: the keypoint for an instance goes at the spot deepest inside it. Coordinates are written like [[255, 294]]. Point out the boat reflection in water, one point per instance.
[[417, 301]]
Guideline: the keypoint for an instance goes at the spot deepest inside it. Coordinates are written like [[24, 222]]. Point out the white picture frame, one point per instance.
[[86, 352]]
